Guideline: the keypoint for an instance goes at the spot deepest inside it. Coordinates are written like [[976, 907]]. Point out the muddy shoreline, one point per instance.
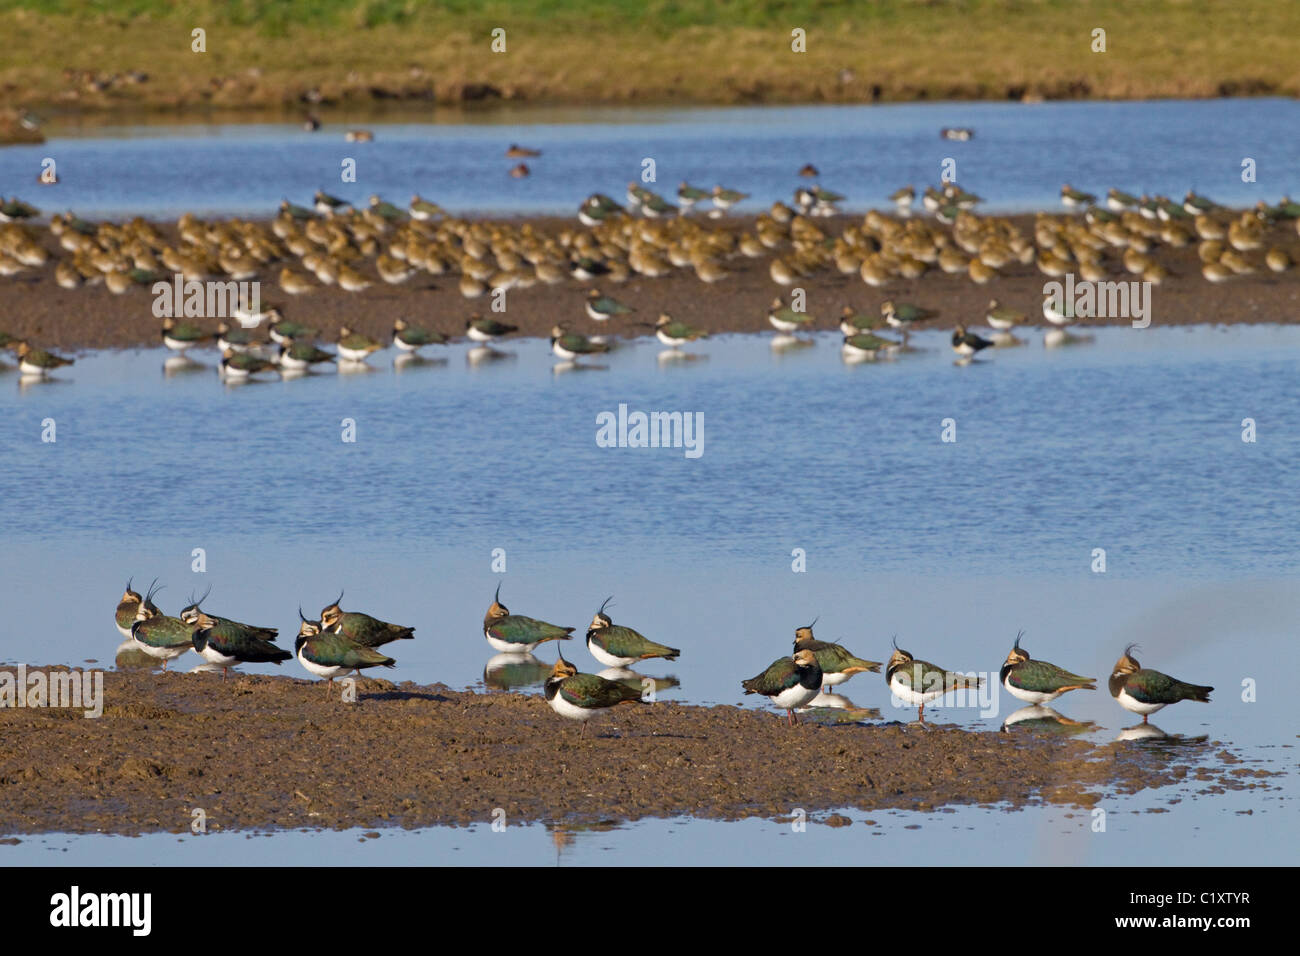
[[258, 753], [35, 307]]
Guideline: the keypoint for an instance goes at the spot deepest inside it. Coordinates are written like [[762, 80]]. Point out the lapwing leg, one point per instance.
[[164, 665], [583, 733], [1144, 718]]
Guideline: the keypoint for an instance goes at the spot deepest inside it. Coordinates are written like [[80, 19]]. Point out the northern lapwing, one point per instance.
[[673, 333], [787, 320], [919, 682], [236, 338], [1120, 201], [192, 612], [285, 330], [180, 336], [1144, 691], [1038, 682], [966, 343], [688, 195], [362, 628], [836, 662], [412, 338], [38, 361], [617, 646], [903, 315], [354, 346], [241, 365], [597, 208], [516, 634], [227, 643], [479, 329], [328, 205], [386, 210], [125, 615], [903, 198], [302, 355], [573, 345], [162, 637], [330, 654], [602, 307], [867, 347], [853, 323], [423, 210], [582, 696], [791, 682], [1002, 318], [1072, 198], [724, 198], [14, 210]]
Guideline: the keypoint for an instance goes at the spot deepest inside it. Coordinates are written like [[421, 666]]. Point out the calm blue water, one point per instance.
[[1018, 159], [1131, 443]]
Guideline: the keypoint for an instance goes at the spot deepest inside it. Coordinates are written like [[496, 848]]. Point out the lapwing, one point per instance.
[[573, 345], [386, 210], [38, 361], [284, 330], [865, 346], [836, 662], [791, 682], [724, 198], [15, 210], [423, 210], [1144, 691], [601, 307], [688, 195], [302, 355], [966, 343], [354, 346], [330, 654], [1038, 682], [162, 637], [919, 682], [852, 323], [583, 696], [1002, 318], [903, 198], [617, 646], [412, 338], [903, 315], [522, 152], [673, 333], [1120, 201], [227, 643], [479, 329], [516, 634], [328, 205], [192, 612], [241, 365], [362, 628], [785, 319], [1072, 198], [125, 615], [238, 339], [180, 336]]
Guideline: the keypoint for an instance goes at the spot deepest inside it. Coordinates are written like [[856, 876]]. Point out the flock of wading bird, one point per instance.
[[342, 642], [334, 243]]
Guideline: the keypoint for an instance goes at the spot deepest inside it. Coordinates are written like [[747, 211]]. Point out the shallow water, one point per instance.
[[1130, 442], [1018, 159]]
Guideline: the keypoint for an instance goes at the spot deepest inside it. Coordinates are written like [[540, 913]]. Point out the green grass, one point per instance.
[[654, 51]]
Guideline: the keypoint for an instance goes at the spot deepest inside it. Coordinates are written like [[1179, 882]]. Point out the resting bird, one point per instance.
[[837, 664], [1038, 681], [582, 696], [791, 682], [616, 646], [362, 628], [516, 634], [919, 682], [331, 654], [1145, 691]]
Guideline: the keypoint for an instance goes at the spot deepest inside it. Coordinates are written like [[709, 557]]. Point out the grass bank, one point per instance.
[[88, 55]]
